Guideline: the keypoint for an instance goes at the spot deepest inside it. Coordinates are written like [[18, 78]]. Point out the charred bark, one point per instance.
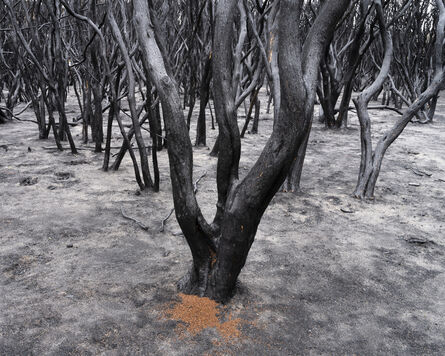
[[204, 95]]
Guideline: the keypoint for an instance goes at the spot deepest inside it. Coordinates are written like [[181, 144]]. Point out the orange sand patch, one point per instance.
[[202, 313]]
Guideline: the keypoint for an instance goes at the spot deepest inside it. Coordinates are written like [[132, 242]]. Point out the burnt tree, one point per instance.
[[220, 250], [371, 159]]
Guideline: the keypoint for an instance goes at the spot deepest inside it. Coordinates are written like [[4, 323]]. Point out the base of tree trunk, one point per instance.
[[205, 284]]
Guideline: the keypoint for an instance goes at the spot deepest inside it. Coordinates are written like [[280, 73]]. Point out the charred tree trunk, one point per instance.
[[157, 114], [354, 58], [292, 183], [215, 149], [371, 160], [38, 106], [192, 99], [367, 164], [52, 122], [432, 108], [131, 99], [219, 252], [97, 122], [87, 111], [256, 118], [204, 95], [126, 145], [328, 93], [3, 117], [253, 103]]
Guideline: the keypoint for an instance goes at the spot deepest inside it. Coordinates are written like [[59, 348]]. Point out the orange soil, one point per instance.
[[201, 313]]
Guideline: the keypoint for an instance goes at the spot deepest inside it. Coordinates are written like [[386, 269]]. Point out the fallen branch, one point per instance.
[[419, 241], [420, 173], [346, 211], [15, 116], [25, 120], [87, 148], [144, 227], [382, 107], [72, 124]]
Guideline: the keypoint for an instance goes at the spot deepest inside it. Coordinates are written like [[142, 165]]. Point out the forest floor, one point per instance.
[[326, 275]]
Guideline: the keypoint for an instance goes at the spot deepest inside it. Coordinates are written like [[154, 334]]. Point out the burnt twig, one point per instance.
[[195, 190], [195, 185], [165, 220], [144, 227]]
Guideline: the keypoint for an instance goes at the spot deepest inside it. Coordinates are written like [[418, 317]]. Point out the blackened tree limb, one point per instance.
[[188, 214], [361, 103], [249, 198], [224, 100], [131, 98]]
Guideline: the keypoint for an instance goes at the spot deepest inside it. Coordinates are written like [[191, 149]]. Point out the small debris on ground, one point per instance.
[[63, 175], [77, 162], [29, 181], [421, 173], [419, 241], [414, 184], [142, 225], [347, 210]]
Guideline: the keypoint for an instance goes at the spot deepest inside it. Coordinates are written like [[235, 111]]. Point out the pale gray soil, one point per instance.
[[318, 281]]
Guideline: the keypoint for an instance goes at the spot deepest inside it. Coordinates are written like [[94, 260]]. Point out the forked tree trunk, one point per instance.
[[328, 92], [52, 122], [220, 251], [371, 160], [253, 102], [367, 165], [131, 98], [63, 123]]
